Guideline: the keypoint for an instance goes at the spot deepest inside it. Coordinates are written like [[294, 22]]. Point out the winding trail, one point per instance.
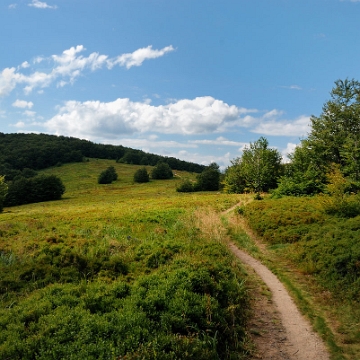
[[305, 343], [300, 341]]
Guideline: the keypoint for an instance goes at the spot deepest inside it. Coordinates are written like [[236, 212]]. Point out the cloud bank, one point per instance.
[[202, 115], [68, 66]]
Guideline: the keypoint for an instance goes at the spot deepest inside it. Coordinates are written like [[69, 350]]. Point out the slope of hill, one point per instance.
[[318, 256], [119, 270], [40, 151]]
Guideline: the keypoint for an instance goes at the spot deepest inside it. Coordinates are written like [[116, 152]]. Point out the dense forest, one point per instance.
[[19, 152]]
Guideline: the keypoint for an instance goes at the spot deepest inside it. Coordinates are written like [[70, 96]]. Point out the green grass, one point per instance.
[[317, 256], [121, 269]]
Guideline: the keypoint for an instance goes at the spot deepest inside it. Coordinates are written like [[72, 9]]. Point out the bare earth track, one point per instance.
[[277, 328], [298, 342]]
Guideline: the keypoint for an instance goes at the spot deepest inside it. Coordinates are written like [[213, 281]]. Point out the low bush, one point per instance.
[[185, 186], [107, 176], [141, 176]]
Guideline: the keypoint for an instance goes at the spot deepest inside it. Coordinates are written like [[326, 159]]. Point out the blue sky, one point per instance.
[[193, 79]]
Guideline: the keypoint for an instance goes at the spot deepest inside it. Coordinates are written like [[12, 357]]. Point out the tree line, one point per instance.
[[40, 151], [330, 154]]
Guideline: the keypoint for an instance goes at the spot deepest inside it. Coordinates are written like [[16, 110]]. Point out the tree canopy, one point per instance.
[[334, 139], [257, 170]]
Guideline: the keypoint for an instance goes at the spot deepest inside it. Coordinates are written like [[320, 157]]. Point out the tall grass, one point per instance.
[[121, 270]]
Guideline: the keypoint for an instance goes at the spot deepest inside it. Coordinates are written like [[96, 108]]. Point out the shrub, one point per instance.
[[141, 176], [185, 186], [107, 176], [339, 202], [162, 171]]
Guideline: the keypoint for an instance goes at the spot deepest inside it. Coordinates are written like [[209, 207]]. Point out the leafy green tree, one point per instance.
[[162, 171], [335, 134], [141, 176], [234, 182], [303, 176], [3, 192], [36, 189], [256, 170], [107, 176], [209, 179], [334, 139]]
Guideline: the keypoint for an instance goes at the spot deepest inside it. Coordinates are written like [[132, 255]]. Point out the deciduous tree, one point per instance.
[[256, 170]]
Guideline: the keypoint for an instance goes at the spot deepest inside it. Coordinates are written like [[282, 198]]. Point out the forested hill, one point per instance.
[[39, 151]]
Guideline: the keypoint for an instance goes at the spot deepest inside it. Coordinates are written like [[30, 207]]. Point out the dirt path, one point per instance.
[[292, 338], [277, 328]]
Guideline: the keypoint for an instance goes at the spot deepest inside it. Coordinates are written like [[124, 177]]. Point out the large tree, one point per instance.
[[334, 139], [256, 170], [209, 179], [335, 134]]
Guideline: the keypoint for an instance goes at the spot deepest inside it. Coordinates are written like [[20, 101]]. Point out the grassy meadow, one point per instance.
[[120, 271], [317, 256]]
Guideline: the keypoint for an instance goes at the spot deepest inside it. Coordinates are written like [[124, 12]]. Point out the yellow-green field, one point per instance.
[[120, 271]]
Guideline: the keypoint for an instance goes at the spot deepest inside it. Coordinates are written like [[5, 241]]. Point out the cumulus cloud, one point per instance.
[[41, 5], [298, 127], [122, 116], [23, 104], [290, 148], [201, 115], [69, 65]]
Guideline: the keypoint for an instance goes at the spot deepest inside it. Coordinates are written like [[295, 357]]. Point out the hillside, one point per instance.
[[121, 269], [40, 151]]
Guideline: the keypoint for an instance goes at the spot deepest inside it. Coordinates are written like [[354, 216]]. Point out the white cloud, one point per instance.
[[69, 65], [223, 160], [202, 115], [221, 141], [299, 127], [290, 148], [139, 56], [29, 113], [12, 6], [292, 87], [23, 104], [25, 65], [148, 144], [122, 116], [19, 124], [41, 5]]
